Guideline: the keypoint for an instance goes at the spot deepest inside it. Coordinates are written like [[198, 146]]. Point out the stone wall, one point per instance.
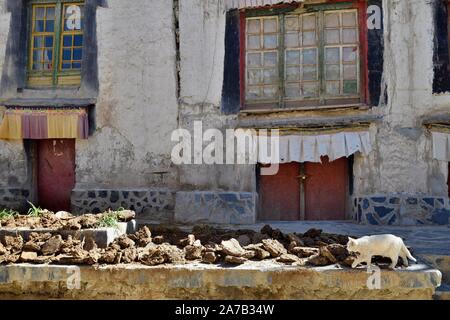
[[402, 209], [149, 204]]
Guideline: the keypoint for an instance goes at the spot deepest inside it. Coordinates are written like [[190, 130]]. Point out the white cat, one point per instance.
[[386, 245]]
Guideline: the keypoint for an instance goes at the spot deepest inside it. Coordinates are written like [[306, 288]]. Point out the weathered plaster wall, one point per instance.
[[137, 107], [13, 167], [202, 50]]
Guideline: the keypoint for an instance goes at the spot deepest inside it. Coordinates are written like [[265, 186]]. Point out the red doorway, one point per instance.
[[309, 191], [55, 173]]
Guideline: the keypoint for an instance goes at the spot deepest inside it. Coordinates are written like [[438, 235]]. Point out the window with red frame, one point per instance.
[[303, 56]]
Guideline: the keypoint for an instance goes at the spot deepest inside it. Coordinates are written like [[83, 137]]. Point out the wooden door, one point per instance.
[[280, 194], [326, 188], [56, 173]]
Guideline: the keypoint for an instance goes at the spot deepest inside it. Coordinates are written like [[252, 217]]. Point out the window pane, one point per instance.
[[253, 42], [309, 22], [292, 57], [77, 54], [270, 92], [349, 35], [332, 72], [350, 72], [49, 41], [349, 54], [253, 26], [48, 55], [332, 55], [76, 65], [254, 77], [270, 76], [309, 73], [50, 13], [350, 87], [333, 88], [270, 42], [293, 91], [349, 19], [66, 66], [292, 40], [38, 42], [309, 56], [78, 40], [253, 93], [39, 13], [310, 90], [270, 59], [67, 41], [39, 26], [270, 26], [293, 74], [49, 26], [291, 23], [254, 59], [67, 54], [332, 36], [309, 38], [37, 55], [37, 66], [332, 20]]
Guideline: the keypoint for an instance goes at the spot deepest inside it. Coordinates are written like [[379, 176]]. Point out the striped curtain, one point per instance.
[[240, 4], [44, 123]]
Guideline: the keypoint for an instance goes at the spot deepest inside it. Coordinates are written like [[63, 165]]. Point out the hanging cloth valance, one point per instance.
[[441, 145], [43, 123], [240, 4], [310, 148]]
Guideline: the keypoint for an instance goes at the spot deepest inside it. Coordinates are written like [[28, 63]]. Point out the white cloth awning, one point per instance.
[[310, 148], [441, 146], [240, 4]]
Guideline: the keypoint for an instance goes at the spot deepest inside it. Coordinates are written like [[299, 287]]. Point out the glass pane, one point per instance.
[[49, 41], [78, 40], [254, 77], [270, 92], [253, 42], [310, 90], [332, 88], [270, 76], [309, 56], [309, 73], [48, 55], [292, 74], [332, 20], [38, 42], [67, 41], [50, 26], [292, 57], [332, 55], [349, 36], [291, 23], [254, 59], [332, 36], [309, 38], [270, 41], [37, 55], [77, 54], [39, 13], [349, 19], [293, 91], [67, 54], [349, 54], [76, 65], [332, 72], [39, 26], [50, 13], [66, 66], [350, 87], [37, 66], [270, 25], [350, 72], [270, 59], [253, 26], [253, 92], [291, 40], [309, 22]]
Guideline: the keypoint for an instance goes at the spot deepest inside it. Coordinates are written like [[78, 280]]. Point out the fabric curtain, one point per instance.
[[41, 123]]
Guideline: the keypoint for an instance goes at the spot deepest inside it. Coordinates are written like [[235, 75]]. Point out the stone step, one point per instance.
[[443, 293], [252, 280]]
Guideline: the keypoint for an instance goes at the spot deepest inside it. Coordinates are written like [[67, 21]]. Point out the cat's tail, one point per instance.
[[408, 254]]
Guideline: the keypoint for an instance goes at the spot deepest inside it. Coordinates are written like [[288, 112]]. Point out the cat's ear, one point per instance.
[[351, 240]]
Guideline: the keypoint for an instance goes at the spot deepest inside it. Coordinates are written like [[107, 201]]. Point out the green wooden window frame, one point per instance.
[[54, 71], [347, 94]]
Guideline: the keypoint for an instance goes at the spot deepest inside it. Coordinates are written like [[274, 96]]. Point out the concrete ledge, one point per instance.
[[102, 236], [196, 281]]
